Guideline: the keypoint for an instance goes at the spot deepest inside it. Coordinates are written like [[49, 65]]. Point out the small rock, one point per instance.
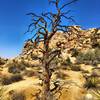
[[88, 97]]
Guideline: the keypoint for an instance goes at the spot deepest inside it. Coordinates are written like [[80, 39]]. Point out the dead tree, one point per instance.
[[40, 24]]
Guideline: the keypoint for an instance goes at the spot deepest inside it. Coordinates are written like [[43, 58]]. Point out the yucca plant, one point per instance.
[[96, 93], [92, 81]]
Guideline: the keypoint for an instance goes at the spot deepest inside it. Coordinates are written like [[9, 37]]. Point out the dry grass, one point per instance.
[[9, 80]]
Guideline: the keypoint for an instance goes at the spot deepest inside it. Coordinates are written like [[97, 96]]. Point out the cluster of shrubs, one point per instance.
[[70, 65], [90, 57], [5, 80], [29, 73], [14, 68]]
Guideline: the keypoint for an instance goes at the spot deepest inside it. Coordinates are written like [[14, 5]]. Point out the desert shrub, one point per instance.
[[16, 69], [97, 54], [25, 64], [9, 80], [56, 60], [16, 78], [90, 57], [35, 57], [5, 80], [75, 67], [67, 62], [22, 67], [29, 73], [74, 52], [92, 82], [60, 75], [96, 93], [55, 63], [17, 96], [80, 58], [13, 69]]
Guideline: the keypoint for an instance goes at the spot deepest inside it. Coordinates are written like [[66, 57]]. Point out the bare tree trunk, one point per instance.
[[46, 80], [46, 86]]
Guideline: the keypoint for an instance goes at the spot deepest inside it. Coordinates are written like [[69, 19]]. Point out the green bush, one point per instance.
[[92, 82], [90, 57], [16, 68], [97, 54], [67, 62]]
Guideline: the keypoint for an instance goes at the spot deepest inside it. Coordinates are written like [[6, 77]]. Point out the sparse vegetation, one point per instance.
[[90, 57], [92, 81], [16, 68], [29, 73], [9, 80], [5, 80], [16, 78], [96, 93], [97, 54], [75, 52], [75, 67], [17, 96], [67, 62], [65, 66], [61, 75]]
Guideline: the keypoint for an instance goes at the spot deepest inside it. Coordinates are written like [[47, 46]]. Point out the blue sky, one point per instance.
[[14, 22]]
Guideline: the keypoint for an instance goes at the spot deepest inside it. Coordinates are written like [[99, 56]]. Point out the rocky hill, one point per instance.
[[77, 71]]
